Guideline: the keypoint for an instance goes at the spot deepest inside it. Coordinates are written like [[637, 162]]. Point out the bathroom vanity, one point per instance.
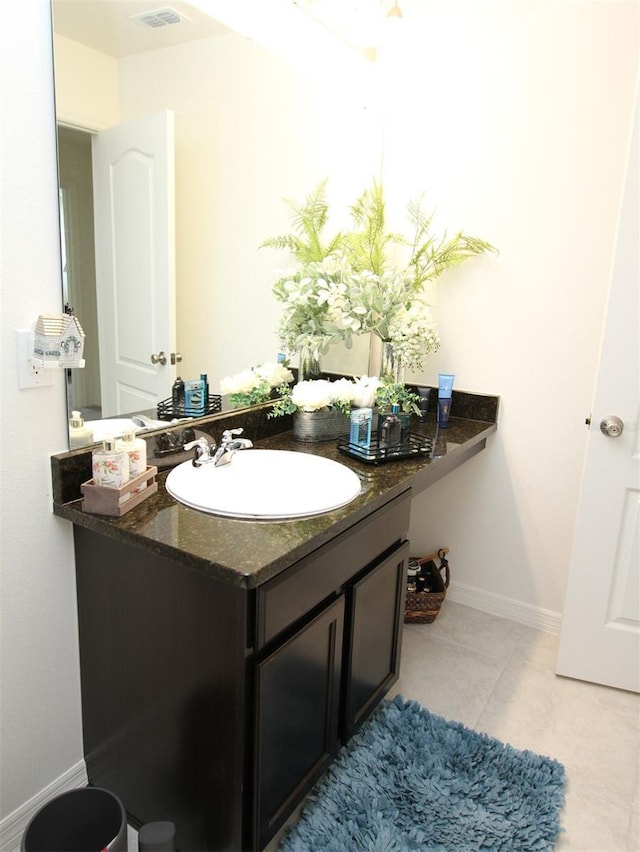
[[224, 662]]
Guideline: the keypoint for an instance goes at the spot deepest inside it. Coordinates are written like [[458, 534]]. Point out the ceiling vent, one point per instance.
[[159, 18]]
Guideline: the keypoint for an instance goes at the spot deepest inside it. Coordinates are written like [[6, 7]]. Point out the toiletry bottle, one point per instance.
[[360, 427], [194, 397], [79, 434], [445, 391], [423, 403], [205, 392], [177, 395], [109, 465], [444, 409], [391, 430], [136, 450]]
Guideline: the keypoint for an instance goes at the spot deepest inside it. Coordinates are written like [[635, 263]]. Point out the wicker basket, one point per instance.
[[423, 607]]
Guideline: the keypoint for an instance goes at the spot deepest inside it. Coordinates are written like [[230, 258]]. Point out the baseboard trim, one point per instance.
[[14, 825], [533, 616]]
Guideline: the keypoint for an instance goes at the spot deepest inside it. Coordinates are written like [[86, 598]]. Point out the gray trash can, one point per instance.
[[88, 819]]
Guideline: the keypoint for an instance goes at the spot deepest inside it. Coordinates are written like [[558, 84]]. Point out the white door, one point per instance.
[[600, 636], [134, 192]]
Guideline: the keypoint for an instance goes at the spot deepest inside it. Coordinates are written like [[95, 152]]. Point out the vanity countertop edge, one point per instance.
[[247, 553]]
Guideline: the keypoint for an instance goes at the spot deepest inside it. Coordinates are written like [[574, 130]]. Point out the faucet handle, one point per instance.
[[228, 434], [202, 450]]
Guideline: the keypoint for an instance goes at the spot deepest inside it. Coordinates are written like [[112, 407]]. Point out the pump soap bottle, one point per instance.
[[110, 466], [136, 450], [79, 434]]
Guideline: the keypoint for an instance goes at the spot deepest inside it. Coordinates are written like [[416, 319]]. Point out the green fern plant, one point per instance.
[[431, 255], [308, 221], [369, 244]]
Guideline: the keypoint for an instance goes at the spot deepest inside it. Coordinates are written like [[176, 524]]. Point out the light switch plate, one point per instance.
[[29, 374]]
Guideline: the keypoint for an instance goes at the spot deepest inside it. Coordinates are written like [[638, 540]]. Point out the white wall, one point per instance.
[[40, 692], [515, 118], [87, 86]]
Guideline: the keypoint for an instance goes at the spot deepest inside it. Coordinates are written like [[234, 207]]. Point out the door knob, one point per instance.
[[176, 357], [160, 358], [612, 426]]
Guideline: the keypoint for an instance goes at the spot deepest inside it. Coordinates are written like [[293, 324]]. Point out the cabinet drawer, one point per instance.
[[283, 600]]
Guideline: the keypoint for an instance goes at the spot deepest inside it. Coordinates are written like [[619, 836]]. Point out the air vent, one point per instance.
[[159, 18]]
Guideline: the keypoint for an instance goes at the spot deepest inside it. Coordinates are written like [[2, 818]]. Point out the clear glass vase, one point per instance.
[[391, 367], [308, 365]]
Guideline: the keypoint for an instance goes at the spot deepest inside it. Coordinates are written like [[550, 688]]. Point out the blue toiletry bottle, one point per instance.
[[360, 427]]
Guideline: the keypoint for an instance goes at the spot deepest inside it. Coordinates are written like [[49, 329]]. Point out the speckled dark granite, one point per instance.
[[247, 553], [470, 406]]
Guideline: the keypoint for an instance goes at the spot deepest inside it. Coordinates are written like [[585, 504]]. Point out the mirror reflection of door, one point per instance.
[[78, 263], [119, 185], [134, 213]]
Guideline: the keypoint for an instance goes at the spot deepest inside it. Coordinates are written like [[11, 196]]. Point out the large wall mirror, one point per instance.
[[245, 128]]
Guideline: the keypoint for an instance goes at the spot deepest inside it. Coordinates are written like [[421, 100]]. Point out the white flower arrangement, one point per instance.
[[366, 279], [255, 384], [413, 335], [388, 306], [325, 303], [321, 394], [311, 320]]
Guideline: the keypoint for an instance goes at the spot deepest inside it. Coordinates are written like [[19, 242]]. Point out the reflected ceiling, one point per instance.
[[117, 30]]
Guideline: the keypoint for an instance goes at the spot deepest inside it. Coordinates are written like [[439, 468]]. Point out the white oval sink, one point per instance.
[[265, 484]]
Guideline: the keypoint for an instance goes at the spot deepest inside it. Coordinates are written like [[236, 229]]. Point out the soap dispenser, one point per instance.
[[110, 466], [136, 450], [79, 434]]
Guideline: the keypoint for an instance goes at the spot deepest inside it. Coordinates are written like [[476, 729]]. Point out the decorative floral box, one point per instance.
[[100, 500]]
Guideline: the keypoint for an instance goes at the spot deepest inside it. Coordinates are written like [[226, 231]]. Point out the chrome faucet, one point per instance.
[[206, 453], [203, 450], [228, 446]]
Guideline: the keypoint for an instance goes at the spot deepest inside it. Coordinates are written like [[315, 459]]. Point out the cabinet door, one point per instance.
[[297, 710], [375, 614]]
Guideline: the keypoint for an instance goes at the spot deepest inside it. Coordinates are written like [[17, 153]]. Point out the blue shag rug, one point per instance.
[[411, 780]]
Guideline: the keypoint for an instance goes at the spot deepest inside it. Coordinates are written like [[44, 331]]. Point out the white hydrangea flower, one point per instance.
[[312, 395], [342, 391], [275, 374], [364, 391], [239, 383]]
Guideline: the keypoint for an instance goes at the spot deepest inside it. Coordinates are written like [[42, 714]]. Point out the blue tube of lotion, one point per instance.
[[445, 391], [444, 409], [445, 385]]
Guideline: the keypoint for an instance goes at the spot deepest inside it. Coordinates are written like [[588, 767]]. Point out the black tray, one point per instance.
[[167, 410], [418, 445]]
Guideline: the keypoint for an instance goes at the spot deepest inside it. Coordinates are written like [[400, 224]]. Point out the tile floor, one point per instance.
[[497, 676]]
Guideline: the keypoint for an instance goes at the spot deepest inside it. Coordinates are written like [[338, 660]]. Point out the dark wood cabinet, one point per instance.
[[297, 715], [218, 706], [375, 611]]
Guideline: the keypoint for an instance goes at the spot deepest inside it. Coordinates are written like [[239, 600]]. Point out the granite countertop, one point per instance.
[[247, 553]]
